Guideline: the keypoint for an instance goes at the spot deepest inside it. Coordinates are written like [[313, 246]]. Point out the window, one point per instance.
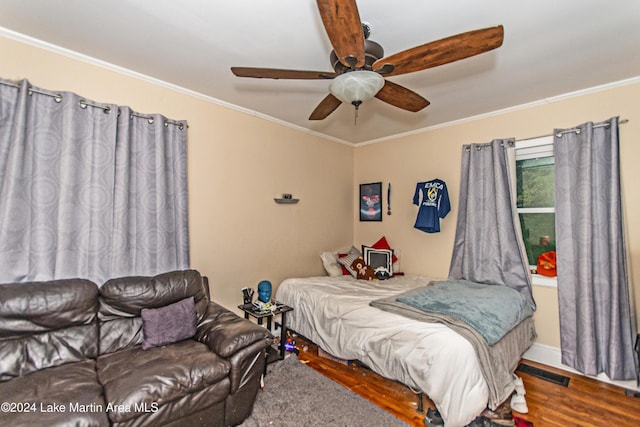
[[535, 199]]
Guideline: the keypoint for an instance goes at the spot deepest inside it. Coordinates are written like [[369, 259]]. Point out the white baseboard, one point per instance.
[[551, 356]]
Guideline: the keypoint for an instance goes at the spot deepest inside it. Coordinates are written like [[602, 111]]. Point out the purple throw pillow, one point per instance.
[[171, 323]]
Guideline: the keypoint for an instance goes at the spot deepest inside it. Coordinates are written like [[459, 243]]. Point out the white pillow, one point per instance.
[[330, 263]]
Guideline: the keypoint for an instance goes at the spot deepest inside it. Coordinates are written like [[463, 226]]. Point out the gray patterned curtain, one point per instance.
[[70, 171], [487, 246], [150, 206], [596, 331]]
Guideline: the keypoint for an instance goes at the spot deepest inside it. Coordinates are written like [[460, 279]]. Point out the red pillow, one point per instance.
[[383, 244]]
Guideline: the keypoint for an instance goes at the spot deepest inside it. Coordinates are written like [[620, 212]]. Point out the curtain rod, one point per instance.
[[9, 83], [151, 119], [83, 103], [576, 130], [56, 96]]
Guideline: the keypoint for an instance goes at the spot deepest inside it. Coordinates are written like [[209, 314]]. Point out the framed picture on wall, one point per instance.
[[371, 201]]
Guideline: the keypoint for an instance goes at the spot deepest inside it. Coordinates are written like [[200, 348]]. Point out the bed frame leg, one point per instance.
[[420, 405]]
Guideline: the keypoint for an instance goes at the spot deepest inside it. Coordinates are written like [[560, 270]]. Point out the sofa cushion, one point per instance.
[[122, 301], [46, 324], [169, 324], [137, 382], [72, 388]]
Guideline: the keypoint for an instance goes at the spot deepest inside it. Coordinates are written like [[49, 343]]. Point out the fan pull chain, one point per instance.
[[357, 105]]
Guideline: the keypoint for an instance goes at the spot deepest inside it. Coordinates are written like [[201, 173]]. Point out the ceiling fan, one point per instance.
[[360, 68]]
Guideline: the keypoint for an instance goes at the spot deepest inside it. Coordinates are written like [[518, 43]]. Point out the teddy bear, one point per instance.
[[363, 271]]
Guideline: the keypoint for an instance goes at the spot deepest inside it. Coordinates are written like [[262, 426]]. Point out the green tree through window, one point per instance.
[[535, 190]]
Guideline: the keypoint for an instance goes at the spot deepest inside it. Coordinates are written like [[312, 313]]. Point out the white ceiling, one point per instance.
[[551, 48]]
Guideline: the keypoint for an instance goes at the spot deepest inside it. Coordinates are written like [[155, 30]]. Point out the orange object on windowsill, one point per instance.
[[547, 264]]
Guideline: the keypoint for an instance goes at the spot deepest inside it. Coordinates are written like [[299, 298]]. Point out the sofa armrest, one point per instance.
[[226, 333]]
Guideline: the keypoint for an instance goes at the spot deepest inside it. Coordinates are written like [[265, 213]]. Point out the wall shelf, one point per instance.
[[286, 201]]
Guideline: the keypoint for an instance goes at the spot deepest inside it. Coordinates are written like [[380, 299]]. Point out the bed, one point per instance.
[[336, 313]]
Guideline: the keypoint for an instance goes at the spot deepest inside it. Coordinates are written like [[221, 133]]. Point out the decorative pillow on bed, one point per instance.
[[171, 323], [378, 258], [348, 259], [383, 244], [345, 272], [330, 264]]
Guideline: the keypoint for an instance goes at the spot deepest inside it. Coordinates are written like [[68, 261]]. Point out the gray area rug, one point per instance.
[[296, 395]]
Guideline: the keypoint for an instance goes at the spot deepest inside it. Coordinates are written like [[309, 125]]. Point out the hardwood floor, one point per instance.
[[585, 402]]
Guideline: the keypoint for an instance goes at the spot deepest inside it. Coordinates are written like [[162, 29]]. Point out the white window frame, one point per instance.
[[530, 149]]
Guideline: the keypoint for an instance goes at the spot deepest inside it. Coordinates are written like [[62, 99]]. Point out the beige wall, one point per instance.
[[436, 154], [237, 164]]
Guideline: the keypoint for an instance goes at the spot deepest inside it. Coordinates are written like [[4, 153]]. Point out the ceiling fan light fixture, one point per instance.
[[357, 86]]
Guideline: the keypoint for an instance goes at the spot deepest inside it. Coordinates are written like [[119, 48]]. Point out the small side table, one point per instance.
[[273, 354]]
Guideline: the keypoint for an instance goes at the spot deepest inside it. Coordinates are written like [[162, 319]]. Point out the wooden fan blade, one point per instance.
[[326, 107], [443, 51], [401, 97], [344, 28], [275, 73]]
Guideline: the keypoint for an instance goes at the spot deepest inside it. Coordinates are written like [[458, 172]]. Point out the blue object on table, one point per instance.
[[264, 291]]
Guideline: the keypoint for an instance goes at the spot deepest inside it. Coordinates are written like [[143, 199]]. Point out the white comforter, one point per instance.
[[334, 313]]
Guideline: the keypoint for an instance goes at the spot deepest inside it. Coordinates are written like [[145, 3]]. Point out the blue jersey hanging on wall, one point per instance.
[[433, 201]]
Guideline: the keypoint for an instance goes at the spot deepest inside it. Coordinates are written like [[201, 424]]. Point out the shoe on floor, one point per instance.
[[433, 418], [502, 416], [519, 403], [519, 385]]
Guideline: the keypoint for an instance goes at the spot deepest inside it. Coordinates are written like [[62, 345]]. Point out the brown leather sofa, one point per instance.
[[71, 354]]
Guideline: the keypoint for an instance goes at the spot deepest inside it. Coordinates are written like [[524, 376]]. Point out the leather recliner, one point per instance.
[[71, 354]]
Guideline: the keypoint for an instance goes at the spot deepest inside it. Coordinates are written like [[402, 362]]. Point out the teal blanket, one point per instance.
[[492, 310]]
